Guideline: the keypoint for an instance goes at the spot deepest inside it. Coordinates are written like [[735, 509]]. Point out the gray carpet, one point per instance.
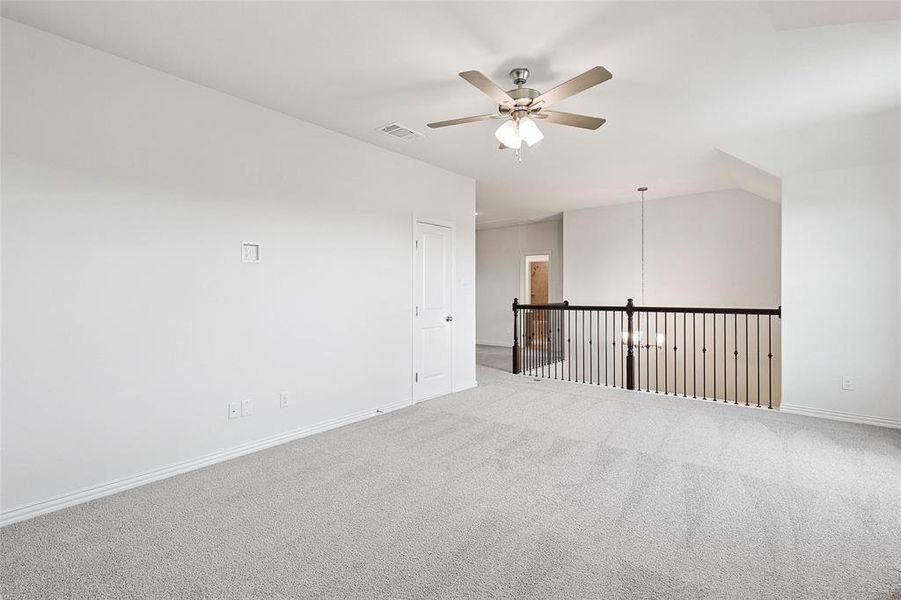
[[496, 357], [517, 489]]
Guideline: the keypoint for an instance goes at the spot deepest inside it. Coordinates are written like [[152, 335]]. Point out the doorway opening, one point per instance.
[[537, 291]]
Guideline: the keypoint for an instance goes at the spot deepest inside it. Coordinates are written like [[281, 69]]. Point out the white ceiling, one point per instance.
[[691, 81]]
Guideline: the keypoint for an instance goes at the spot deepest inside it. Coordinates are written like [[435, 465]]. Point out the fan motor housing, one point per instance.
[[519, 75], [521, 96]]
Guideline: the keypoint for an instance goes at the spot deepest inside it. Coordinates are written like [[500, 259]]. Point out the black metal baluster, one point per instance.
[[758, 361], [590, 350], [552, 340], [770, 356], [613, 343], [576, 344], [622, 354], [747, 372], [714, 357], [647, 351], [547, 343], [545, 349], [532, 320], [569, 346], [526, 331], [684, 356], [675, 355], [694, 355], [539, 349], [638, 357], [532, 360], [725, 360], [529, 321], [665, 357], [531, 342], [735, 347], [704, 355], [656, 354], [522, 346], [600, 343], [528, 341], [561, 347], [606, 362], [583, 346]]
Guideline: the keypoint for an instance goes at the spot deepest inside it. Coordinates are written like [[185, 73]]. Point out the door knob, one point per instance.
[[448, 318]]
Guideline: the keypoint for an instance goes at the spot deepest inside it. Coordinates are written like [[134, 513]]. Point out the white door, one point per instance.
[[432, 310]]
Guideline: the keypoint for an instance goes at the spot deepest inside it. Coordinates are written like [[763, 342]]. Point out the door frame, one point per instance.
[[453, 254], [524, 284]]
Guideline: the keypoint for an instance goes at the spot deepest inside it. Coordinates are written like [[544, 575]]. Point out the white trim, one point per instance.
[[33, 509], [837, 415], [468, 386], [524, 281]]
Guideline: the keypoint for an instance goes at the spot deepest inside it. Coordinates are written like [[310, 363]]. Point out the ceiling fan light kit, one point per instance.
[[520, 106], [508, 135]]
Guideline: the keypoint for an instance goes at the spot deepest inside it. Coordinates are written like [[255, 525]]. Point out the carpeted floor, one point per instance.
[[496, 357], [516, 489]]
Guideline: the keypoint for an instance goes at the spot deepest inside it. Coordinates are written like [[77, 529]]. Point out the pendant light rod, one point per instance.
[[642, 189]]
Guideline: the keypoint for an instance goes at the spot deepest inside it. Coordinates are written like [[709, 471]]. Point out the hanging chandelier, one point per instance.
[[638, 337]]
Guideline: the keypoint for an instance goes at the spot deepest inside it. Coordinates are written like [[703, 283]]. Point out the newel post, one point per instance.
[[630, 345], [516, 366]]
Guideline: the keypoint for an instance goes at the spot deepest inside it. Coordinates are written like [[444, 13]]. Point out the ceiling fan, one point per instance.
[[520, 106]]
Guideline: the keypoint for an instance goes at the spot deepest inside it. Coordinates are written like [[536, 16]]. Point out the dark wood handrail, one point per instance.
[[776, 312]]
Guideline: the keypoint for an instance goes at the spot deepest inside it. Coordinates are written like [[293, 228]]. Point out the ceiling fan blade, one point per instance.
[[573, 120], [487, 86], [461, 121], [579, 83]]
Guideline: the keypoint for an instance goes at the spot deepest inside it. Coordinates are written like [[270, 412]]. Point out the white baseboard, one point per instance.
[[467, 386], [837, 415], [27, 511]]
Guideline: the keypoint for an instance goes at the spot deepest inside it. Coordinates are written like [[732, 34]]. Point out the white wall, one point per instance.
[[841, 299], [714, 249], [129, 320], [500, 272]]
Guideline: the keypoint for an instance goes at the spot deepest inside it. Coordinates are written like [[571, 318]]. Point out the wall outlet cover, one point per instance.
[[246, 408], [283, 399], [234, 410], [848, 383]]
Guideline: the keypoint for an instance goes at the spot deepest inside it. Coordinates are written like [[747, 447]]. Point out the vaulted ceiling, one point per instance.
[[700, 90]]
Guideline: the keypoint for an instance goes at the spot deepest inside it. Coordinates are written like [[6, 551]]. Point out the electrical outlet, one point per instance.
[[283, 399], [234, 410], [848, 383], [246, 408]]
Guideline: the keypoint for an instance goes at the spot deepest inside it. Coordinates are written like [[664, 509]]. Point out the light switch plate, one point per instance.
[[250, 252]]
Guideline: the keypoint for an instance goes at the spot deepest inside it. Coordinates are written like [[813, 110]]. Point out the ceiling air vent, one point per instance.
[[400, 132]]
